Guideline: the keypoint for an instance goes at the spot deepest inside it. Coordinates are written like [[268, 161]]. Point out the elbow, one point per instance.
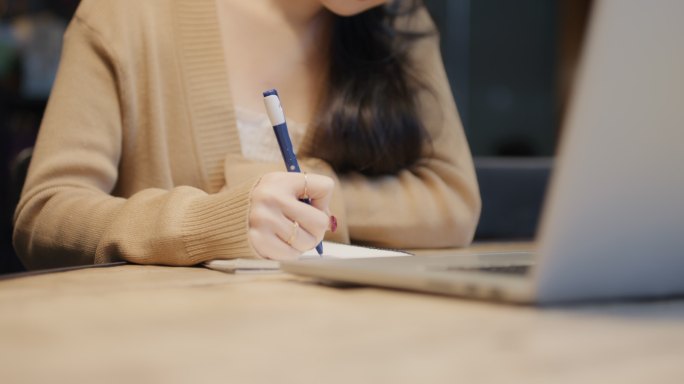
[[460, 233], [34, 249], [21, 242], [459, 225], [25, 237]]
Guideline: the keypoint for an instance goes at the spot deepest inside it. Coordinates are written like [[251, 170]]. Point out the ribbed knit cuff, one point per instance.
[[215, 226]]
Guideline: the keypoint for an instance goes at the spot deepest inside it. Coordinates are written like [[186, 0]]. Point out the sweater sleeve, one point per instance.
[[67, 214], [435, 203]]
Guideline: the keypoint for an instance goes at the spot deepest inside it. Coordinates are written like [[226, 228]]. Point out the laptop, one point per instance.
[[612, 225]]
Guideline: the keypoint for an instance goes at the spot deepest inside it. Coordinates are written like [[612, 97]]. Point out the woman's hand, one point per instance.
[[281, 227]]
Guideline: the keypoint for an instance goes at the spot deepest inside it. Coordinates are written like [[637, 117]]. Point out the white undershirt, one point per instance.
[[257, 139]]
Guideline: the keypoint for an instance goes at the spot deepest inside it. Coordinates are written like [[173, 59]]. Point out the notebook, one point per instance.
[[612, 225], [331, 250]]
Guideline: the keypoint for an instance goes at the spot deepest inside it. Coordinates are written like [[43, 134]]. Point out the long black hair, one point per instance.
[[367, 119]]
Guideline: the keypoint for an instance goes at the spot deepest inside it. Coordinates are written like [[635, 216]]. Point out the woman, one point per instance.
[[155, 148]]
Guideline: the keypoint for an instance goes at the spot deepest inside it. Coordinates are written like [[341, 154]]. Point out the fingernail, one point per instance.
[[333, 223]]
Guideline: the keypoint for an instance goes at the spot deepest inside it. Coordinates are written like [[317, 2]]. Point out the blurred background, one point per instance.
[[510, 65]]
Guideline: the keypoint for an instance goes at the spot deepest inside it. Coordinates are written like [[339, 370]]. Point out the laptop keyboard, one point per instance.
[[503, 269]]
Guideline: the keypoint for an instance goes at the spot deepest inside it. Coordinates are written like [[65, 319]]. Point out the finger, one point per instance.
[[297, 237], [270, 246], [318, 189], [278, 193], [275, 212], [301, 238], [314, 221]]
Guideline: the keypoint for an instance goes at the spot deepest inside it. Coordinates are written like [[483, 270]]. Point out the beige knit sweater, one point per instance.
[[139, 137]]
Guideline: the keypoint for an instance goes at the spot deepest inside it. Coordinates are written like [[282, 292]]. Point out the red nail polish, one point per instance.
[[333, 223]]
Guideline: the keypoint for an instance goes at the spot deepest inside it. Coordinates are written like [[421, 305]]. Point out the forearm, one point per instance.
[[426, 207], [184, 226]]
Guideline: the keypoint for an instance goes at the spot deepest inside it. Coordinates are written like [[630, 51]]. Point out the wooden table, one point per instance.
[[149, 324]]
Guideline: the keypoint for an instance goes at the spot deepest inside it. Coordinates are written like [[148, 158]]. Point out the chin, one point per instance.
[[350, 7]]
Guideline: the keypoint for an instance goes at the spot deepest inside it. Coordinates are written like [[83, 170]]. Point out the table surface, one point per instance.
[[152, 324]]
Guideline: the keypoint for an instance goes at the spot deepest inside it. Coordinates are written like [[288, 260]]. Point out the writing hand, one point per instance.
[[281, 227]]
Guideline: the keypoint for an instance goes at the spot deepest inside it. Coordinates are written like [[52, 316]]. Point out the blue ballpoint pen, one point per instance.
[[275, 113]]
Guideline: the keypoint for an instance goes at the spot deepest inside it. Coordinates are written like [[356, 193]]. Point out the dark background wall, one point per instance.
[[30, 42], [510, 64]]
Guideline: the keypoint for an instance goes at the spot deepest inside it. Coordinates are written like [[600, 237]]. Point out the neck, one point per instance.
[[298, 12], [308, 19], [298, 15]]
